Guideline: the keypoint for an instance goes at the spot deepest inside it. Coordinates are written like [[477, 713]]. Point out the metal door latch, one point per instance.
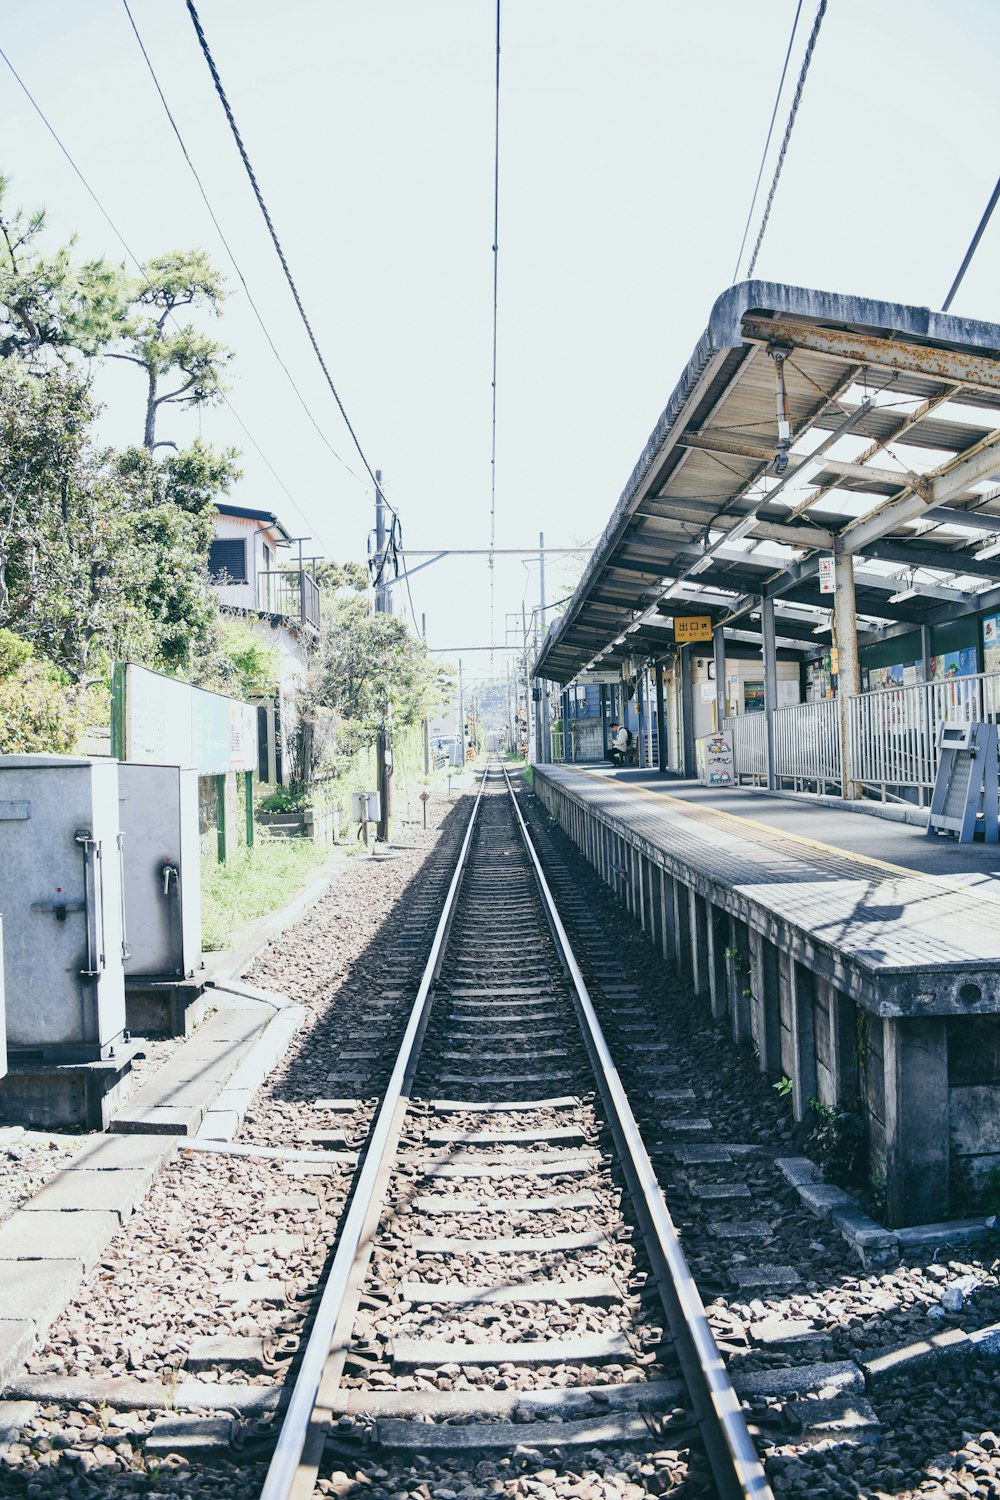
[[59, 909]]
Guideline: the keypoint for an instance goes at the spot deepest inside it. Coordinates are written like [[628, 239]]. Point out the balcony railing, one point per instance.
[[290, 592]]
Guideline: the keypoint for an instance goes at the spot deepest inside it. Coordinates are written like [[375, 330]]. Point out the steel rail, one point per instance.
[[286, 1461], [735, 1463]]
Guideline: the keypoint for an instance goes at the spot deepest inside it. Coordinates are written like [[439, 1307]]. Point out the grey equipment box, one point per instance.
[[159, 823], [3, 1028], [965, 787], [61, 901]]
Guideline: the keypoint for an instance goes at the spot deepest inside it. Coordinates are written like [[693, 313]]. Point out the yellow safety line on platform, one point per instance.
[[949, 884], [706, 814]]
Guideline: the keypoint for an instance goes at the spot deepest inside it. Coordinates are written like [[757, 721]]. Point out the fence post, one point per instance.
[[118, 679], [770, 654], [845, 621], [248, 791], [220, 817]]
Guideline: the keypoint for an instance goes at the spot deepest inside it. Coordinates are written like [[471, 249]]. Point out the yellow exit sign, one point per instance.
[[692, 627]]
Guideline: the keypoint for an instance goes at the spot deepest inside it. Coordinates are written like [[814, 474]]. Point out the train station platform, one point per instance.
[[859, 957]]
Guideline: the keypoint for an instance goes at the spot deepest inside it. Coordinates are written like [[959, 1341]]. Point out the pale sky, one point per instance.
[[630, 140]]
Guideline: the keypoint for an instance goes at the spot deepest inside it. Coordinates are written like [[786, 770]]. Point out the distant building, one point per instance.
[[280, 604]]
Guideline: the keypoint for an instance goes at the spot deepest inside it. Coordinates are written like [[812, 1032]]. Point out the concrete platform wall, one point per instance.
[[929, 1086]]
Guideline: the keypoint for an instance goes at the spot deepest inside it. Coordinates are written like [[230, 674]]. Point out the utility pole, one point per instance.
[[382, 607], [427, 722], [527, 685], [461, 713], [546, 753]]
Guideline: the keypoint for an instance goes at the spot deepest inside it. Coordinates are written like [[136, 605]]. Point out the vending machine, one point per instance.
[[161, 858], [61, 900]]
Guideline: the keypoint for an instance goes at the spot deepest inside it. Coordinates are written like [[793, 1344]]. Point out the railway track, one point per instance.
[[507, 1279]]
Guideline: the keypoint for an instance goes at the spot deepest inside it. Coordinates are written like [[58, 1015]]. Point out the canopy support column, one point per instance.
[[719, 658], [770, 683], [845, 631], [687, 714], [661, 722]]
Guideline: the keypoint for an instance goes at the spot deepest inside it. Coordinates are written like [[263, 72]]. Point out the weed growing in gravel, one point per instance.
[[838, 1139]]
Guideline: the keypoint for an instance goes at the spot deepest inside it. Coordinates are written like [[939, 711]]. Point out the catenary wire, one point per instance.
[[767, 143], [228, 248], [244, 156], [138, 264], [973, 247], [807, 59], [496, 283]]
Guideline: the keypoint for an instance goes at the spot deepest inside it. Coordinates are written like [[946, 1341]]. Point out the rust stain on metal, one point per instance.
[[981, 370]]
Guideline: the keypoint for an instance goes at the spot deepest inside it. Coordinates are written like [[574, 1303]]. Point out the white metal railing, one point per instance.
[[894, 730], [749, 733], [807, 742]]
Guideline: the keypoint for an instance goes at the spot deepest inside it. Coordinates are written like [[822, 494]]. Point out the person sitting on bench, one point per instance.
[[619, 745]]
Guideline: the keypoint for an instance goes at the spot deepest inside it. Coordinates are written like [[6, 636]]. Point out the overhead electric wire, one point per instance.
[[767, 143], [229, 250], [496, 284], [244, 156], [137, 263], [974, 246], [796, 101]]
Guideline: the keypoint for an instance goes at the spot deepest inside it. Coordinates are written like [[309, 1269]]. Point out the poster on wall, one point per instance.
[[991, 644], [955, 664]]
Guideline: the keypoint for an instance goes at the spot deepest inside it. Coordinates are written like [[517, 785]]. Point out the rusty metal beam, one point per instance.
[[792, 536], [898, 478], [936, 488], [717, 440], [962, 365]]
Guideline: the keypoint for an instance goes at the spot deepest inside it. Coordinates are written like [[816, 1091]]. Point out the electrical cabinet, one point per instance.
[[61, 899], [3, 1028], [161, 858]]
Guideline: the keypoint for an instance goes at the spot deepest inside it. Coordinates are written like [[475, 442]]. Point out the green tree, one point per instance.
[[366, 663], [102, 555], [52, 306], [332, 576], [38, 711], [245, 667], [174, 354]]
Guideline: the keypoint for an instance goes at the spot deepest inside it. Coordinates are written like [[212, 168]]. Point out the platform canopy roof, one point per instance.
[[891, 452]]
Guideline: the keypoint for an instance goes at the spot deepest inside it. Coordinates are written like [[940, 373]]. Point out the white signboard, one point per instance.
[[171, 723], [827, 582], [715, 759], [157, 718]]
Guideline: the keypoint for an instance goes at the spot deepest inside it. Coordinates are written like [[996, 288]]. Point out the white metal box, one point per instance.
[[161, 861], [61, 902], [3, 1028], [366, 807]]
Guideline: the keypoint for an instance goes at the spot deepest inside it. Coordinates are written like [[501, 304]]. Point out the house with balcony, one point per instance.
[[260, 579]]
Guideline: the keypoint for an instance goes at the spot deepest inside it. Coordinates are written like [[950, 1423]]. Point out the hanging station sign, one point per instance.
[[827, 581], [692, 627]]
